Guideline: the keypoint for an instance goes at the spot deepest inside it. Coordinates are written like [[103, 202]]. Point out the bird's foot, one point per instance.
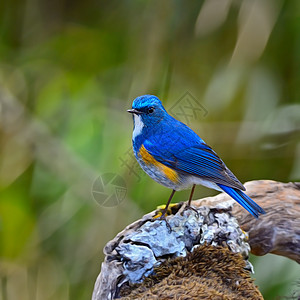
[[161, 216], [188, 206], [161, 209]]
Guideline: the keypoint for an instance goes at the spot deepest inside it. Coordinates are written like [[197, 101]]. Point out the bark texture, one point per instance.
[[278, 231], [147, 260]]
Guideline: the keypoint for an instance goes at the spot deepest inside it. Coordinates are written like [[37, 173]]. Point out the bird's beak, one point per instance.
[[134, 111]]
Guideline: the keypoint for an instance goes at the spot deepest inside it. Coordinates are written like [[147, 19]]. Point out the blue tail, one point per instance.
[[253, 208]]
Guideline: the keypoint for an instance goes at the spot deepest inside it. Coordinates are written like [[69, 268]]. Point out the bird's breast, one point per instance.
[[156, 170]]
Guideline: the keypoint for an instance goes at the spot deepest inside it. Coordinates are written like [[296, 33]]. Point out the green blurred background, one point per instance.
[[68, 72]]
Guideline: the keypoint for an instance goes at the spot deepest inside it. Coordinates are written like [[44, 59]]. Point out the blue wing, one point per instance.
[[183, 150], [197, 160], [200, 160]]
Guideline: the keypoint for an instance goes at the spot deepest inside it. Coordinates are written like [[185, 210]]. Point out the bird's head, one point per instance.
[[147, 111]]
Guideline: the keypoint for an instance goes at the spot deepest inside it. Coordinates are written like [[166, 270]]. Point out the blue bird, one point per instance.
[[175, 156]]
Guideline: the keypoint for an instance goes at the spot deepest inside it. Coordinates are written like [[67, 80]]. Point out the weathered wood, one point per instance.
[[140, 247], [278, 231]]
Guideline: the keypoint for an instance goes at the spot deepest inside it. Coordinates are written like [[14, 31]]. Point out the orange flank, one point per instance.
[[150, 160]]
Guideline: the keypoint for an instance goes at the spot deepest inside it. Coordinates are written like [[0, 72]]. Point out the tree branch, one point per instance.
[[278, 231]]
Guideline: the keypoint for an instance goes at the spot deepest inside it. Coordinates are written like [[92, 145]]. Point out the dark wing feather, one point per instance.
[[199, 160]]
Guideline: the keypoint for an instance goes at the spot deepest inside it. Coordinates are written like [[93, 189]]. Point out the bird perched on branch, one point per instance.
[[175, 156]]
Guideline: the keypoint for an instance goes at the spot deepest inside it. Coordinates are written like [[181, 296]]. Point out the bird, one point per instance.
[[173, 155]]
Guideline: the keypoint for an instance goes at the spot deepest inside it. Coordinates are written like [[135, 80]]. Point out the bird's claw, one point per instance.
[[161, 217], [192, 208]]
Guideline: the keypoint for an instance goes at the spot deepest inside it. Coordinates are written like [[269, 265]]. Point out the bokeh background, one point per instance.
[[68, 72]]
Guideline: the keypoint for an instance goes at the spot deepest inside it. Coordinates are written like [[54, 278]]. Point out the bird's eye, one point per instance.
[[150, 110]]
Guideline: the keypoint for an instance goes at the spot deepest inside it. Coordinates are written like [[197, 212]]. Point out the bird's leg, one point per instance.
[[191, 195], [163, 217], [167, 205], [190, 200]]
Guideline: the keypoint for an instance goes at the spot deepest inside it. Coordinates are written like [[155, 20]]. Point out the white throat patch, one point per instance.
[[138, 126]]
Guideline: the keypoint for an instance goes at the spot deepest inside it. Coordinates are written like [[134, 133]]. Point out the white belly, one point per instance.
[[191, 180]]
